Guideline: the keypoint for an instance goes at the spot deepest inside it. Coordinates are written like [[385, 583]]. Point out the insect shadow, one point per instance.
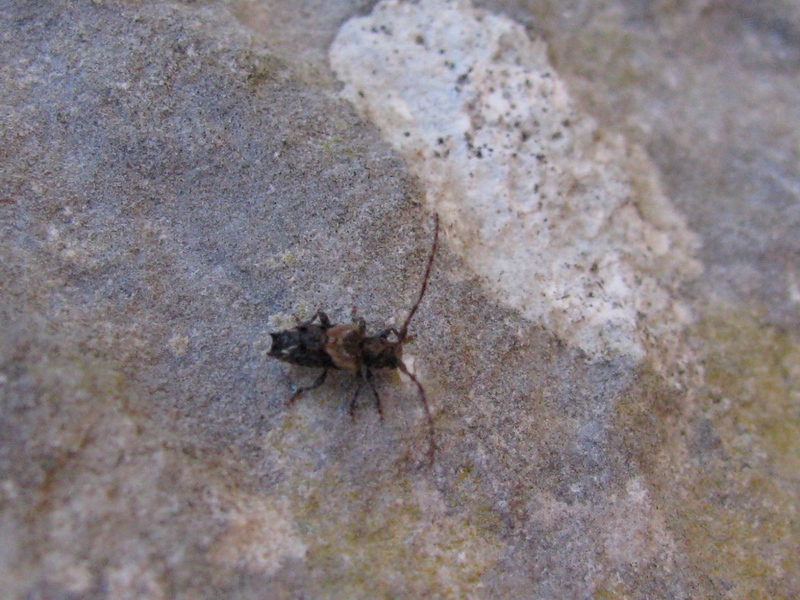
[[319, 343]]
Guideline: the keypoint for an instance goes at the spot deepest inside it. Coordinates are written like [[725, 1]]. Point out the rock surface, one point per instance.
[[178, 180], [567, 227]]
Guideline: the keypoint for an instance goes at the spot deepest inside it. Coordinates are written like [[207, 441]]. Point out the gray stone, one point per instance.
[[178, 180]]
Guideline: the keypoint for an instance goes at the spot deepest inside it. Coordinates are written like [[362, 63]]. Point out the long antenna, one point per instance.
[[404, 329], [424, 400]]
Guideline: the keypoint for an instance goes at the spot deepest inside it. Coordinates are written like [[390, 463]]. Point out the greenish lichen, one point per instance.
[[740, 518]]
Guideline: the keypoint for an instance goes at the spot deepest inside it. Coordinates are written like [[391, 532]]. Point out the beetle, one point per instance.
[[319, 343]]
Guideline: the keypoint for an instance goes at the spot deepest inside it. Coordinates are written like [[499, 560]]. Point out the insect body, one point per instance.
[[319, 343]]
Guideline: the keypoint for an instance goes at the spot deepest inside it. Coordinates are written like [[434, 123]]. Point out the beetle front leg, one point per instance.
[[323, 320], [354, 398], [365, 376], [362, 324], [375, 391]]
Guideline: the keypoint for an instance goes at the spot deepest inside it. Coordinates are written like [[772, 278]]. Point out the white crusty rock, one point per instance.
[[566, 224]]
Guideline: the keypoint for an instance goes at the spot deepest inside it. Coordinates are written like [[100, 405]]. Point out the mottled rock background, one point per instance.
[[178, 179]]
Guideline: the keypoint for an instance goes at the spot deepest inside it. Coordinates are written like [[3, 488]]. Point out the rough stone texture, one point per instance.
[[175, 177], [710, 89], [566, 226]]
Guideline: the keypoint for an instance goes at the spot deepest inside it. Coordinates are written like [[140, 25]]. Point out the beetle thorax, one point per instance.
[[343, 345]]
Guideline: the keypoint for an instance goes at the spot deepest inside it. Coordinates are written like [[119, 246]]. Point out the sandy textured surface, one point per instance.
[[179, 179]]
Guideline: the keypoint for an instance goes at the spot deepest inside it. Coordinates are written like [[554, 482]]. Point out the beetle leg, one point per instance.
[[374, 391], [355, 397], [300, 391], [323, 320]]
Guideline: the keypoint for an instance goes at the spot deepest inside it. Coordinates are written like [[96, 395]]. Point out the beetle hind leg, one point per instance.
[[302, 390]]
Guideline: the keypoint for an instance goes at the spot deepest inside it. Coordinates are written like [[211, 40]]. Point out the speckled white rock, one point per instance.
[[566, 224]]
